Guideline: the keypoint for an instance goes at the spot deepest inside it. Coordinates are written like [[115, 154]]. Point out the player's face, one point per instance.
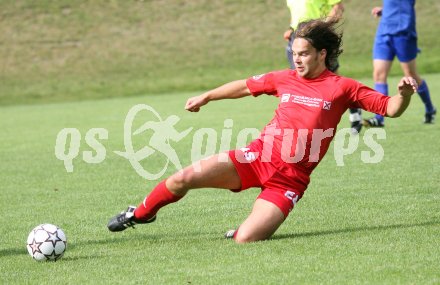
[[309, 62]]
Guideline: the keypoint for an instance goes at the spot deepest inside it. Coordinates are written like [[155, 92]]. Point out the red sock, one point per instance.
[[159, 197]]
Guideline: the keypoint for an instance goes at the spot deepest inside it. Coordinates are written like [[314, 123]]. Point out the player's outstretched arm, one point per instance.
[[398, 103], [232, 90]]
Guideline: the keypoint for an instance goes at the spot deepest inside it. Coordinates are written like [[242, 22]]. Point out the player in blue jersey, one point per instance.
[[396, 36]]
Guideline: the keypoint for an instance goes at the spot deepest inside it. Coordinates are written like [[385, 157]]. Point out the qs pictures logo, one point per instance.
[[150, 146], [163, 132]]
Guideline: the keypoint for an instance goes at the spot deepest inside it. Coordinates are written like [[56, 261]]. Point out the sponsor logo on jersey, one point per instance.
[[303, 100]]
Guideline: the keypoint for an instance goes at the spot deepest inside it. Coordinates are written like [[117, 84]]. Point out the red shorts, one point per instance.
[[282, 186]]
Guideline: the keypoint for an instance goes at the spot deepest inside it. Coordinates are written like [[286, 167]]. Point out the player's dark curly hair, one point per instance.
[[322, 35]]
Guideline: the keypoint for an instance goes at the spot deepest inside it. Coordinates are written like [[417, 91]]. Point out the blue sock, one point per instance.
[[426, 98], [382, 88]]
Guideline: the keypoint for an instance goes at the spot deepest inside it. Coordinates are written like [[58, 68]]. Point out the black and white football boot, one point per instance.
[[125, 220]]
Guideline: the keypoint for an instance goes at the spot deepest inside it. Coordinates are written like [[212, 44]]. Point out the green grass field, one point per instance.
[[57, 51], [357, 224]]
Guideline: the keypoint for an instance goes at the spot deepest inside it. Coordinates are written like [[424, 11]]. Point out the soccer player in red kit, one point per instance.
[[312, 101]]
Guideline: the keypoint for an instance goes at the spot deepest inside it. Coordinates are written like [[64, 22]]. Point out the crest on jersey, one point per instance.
[[327, 105]]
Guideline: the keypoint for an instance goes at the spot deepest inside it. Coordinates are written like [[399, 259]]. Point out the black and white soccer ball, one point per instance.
[[46, 242]]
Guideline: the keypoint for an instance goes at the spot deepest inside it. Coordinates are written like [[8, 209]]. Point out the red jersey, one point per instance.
[[309, 111]]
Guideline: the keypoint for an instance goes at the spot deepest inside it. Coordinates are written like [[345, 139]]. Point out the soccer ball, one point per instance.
[[46, 242]]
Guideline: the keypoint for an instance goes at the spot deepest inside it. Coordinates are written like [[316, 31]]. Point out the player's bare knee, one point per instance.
[[414, 75], [380, 76], [245, 237], [181, 180], [242, 239]]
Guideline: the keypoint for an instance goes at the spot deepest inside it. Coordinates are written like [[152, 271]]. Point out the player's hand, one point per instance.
[[376, 12], [194, 103], [287, 34], [407, 86]]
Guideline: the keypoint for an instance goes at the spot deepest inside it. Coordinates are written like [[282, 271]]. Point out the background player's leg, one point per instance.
[[289, 52], [261, 224], [355, 117], [381, 68], [355, 120], [410, 69]]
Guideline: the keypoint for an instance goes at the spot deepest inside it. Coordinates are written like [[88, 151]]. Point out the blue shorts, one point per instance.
[[403, 46]]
